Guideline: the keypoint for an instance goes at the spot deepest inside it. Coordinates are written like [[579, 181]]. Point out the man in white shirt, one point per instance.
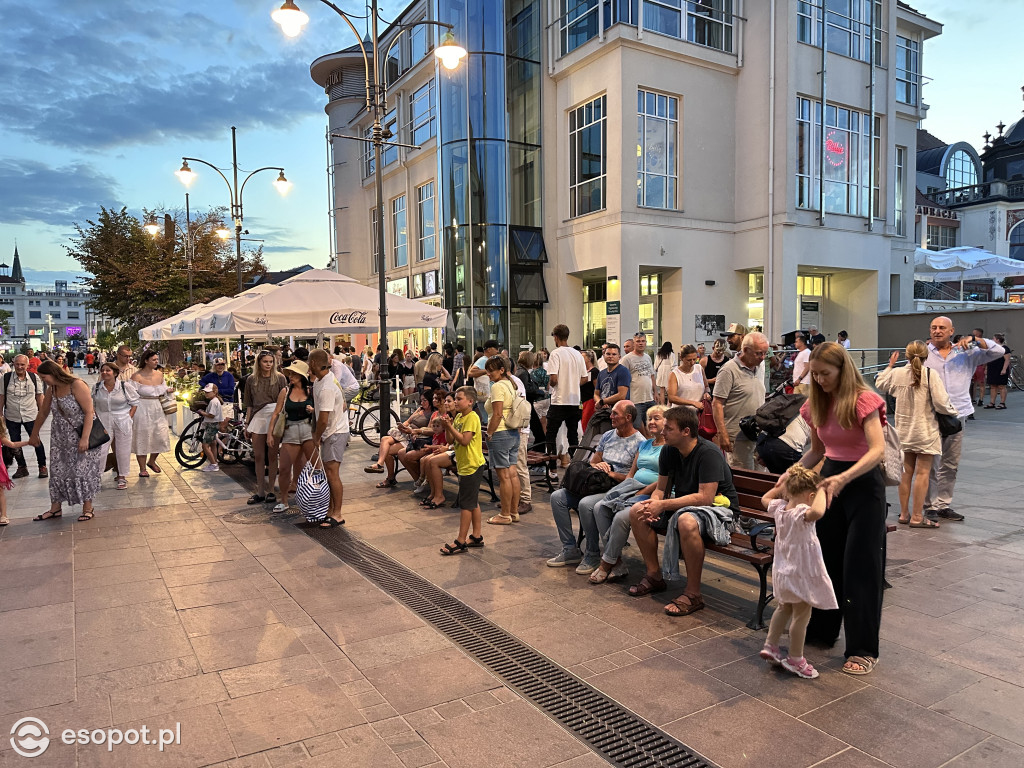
[[802, 366], [955, 364], [641, 382], [330, 431], [567, 372]]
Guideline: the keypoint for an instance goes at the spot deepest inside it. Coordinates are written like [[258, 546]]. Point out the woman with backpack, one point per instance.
[[114, 403]]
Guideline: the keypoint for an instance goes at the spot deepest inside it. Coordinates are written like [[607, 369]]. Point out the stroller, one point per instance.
[[600, 423]]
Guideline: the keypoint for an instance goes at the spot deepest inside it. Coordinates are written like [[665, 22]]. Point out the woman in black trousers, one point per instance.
[[846, 419]]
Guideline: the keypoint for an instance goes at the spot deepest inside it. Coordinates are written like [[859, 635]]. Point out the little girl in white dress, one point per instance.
[[799, 579]]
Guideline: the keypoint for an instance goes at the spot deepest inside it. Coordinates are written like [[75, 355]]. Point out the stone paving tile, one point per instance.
[[113, 596], [35, 687], [494, 594], [208, 573], [101, 559], [993, 752], [351, 626], [993, 656], [214, 593], [992, 705], [895, 730], [851, 758], [578, 641], [723, 649], [39, 649], [430, 679], [146, 701], [125, 618], [188, 541], [130, 649], [509, 736], [116, 574], [922, 632], [991, 617], [30, 621], [134, 677], [267, 675], [387, 649], [224, 617], [242, 647], [918, 677]]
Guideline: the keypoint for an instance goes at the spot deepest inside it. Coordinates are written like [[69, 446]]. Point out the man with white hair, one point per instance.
[[739, 392], [954, 364], [21, 396]]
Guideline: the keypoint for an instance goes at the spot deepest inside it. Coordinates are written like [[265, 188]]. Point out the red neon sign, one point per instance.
[[835, 149]]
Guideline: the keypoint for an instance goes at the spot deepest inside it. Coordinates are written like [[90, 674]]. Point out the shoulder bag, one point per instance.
[[948, 425], [97, 436]]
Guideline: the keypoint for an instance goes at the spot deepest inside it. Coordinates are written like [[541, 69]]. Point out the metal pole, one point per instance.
[[188, 252], [236, 211], [385, 383]]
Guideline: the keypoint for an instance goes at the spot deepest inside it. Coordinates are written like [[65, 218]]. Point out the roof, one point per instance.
[[273, 278], [930, 161], [925, 140]]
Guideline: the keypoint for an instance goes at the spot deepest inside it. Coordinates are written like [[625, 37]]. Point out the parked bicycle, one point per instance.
[[364, 414], [1016, 378], [233, 445]]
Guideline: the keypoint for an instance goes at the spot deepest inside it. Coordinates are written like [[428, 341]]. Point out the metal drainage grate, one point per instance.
[[619, 735]]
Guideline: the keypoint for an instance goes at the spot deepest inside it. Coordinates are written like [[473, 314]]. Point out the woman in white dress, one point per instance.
[[149, 426], [664, 362], [115, 403], [686, 385]]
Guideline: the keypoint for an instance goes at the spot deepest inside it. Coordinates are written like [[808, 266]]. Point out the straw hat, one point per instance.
[[300, 368]]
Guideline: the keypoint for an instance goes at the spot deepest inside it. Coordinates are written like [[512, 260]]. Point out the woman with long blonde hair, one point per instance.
[[846, 420], [919, 396], [260, 397]]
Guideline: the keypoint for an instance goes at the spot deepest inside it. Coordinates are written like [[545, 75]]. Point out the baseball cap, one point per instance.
[[210, 388], [219, 361], [735, 328]]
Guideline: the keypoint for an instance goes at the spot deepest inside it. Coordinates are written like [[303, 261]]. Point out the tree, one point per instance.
[[138, 280], [5, 318]]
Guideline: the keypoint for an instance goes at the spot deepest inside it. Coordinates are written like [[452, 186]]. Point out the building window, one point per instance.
[[960, 170], [35, 315], [7, 290], [389, 151], [657, 133], [708, 22], [399, 232], [940, 238], [73, 316], [847, 22], [908, 70], [846, 158], [899, 220], [578, 23], [418, 43], [809, 285], [54, 315], [54, 303], [587, 161], [374, 245], [368, 157], [425, 221], [1017, 242], [422, 114]]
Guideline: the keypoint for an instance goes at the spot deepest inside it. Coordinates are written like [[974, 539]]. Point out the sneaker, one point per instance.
[[211, 468], [524, 507], [423, 490], [43, 472], [949, 514], [564, 558], [552, 475], [22, 472], [587, 566]]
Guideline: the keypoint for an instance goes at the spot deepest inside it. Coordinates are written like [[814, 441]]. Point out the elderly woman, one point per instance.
[[149, 428], [610, 516], [115, 403], [74, 469], [400, 437]]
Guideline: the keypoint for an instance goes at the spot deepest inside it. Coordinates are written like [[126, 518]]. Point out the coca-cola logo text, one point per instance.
[[353, 317]]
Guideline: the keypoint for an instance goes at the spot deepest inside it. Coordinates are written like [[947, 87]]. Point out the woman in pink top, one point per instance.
[[846, 420]]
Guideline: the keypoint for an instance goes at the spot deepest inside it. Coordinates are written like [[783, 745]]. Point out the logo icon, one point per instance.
[[354, 317], [30, 737]]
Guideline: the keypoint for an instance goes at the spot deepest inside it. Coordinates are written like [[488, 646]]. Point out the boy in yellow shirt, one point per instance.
[[464, 432]]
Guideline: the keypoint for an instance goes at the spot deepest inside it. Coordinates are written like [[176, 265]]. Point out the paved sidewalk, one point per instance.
[[180, 604]]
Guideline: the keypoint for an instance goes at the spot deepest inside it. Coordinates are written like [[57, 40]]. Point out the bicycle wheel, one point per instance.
[[1016, 378], [189, 449], [231, 452], [369, 425]]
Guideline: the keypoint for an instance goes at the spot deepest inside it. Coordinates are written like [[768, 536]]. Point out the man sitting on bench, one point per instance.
[[694, 496]]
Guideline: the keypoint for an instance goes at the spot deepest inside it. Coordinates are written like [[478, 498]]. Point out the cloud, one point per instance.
[[31, 191], [46, 277], [288, 248]]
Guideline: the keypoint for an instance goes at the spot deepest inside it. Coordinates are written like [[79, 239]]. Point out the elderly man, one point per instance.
[[816, 336], [739, 392], [21, 396], [691, 474], [954, 364], [614, 456]]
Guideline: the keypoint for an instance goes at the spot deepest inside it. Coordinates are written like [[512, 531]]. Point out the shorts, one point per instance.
[[333, 448], [297, 432], [469, 490], [661, 524], [503, 448], [640, 422], [210, 433], [260, 422]]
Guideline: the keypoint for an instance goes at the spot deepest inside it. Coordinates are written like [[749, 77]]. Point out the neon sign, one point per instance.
[[72, 330], [835, 149]]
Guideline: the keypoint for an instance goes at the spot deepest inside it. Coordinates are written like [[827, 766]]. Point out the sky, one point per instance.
[[99, 101]]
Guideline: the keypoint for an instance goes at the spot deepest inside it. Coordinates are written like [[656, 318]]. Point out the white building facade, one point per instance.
[[664, 165]]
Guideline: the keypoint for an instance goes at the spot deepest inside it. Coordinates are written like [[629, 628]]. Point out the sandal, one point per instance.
[[374, 469], [330, 522], [799, 667], [924, 523], [5, 521], [143, 473], [771, 653], [428, 504], [599, 576], [500, 520], [693, 604], [455, 548], [867, 663], [154, 467], [270, 498], [388, 482], [49, 515], [475, 541], [86, 516], [989, 406], [1001, 407], [903, 520], [122, 483], [255, 499], [646, 586]]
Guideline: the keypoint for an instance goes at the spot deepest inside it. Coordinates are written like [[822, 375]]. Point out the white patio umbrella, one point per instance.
[[191, 326], [161, 331], [320, 300]]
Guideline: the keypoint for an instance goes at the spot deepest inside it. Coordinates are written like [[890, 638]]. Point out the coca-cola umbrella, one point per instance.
[[320, 300], [161, 331], [189, 327]]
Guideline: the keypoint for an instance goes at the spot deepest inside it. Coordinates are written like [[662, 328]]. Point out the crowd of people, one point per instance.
[[667, 431]]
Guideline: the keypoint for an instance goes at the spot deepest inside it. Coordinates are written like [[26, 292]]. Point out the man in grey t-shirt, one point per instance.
[[641, 385], [739, 392]]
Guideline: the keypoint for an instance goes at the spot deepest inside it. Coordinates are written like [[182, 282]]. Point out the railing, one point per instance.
[[1003, 190], [935, 291], [871, 360]]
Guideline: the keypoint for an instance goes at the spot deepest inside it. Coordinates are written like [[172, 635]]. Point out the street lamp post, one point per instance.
[[292, 20], [187, 176]]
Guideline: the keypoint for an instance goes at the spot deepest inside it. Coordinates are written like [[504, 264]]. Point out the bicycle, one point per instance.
[[1016, 372], [364, 414], [234, 445]]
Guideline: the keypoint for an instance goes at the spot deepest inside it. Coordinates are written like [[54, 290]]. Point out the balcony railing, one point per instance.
[[989, 190]]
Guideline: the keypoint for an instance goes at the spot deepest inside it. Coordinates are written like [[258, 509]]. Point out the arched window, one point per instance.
[[960, 170], [1017, 242]]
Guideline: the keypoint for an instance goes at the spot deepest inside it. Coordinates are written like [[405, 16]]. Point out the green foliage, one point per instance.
[[106, 339], [5, 318], [137, 279]]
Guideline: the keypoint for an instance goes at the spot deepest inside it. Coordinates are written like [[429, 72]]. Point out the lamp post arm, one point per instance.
[[359, 42], [246, 181], [231, 190], [405, 28]]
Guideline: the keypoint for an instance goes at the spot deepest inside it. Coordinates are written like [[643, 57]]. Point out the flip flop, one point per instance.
[[143, 473], [330, 522], [389, 482], [154, 467], [4, 521], [500, 520], [925, 523]]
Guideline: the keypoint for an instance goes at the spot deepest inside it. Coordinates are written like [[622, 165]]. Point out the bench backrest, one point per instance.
[[751, 486]]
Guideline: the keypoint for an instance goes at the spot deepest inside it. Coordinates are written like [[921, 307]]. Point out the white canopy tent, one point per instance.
[[191, 327], [161, 331], [318, 300], [962, 264]]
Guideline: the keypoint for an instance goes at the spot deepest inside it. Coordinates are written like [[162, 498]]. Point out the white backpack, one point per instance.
[[519, 414]]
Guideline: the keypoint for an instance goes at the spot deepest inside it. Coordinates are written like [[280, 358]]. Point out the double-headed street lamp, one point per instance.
[[187, 176], [292, 20], [189, 236]]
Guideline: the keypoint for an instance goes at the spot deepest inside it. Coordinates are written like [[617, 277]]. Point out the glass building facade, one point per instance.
[[489, 175]]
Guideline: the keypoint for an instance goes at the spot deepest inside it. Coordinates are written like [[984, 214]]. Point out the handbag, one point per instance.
[[706, 426], [312, 494], [948, 425], [279, 426], [97, 435], [892, 461], [582, 479], [169, 404]]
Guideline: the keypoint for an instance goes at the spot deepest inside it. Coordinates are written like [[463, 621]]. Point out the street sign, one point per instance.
[[612, 308], [528, 345]]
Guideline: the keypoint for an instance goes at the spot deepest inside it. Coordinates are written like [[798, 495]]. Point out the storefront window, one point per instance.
[[755, 299], [399, 232]]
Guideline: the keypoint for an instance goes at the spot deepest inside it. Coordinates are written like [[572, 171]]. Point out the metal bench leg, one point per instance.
[[490, 484], [763, 598]]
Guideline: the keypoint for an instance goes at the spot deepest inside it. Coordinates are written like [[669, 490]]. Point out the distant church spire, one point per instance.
[[16, 272]]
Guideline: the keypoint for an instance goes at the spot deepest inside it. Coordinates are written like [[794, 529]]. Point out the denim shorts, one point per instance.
[[503, 448]]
